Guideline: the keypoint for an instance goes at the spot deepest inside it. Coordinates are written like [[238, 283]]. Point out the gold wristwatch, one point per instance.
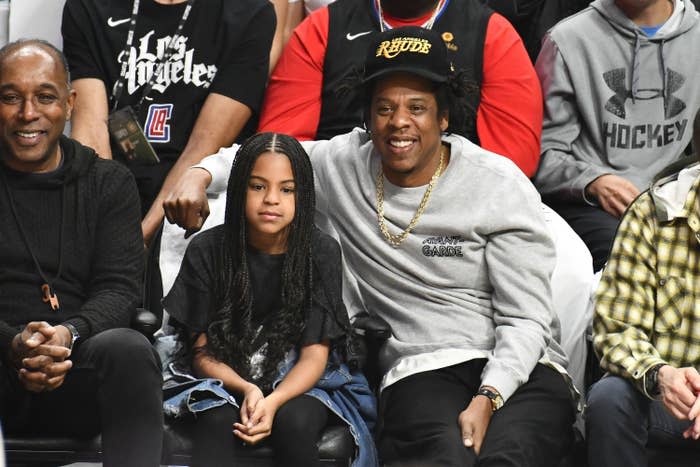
[[493, 395]]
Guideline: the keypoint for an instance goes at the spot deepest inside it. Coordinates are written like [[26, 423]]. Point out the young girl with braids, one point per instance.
[[260, 297]]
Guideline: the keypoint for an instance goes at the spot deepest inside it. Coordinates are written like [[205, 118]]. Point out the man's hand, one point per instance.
[[614, 194], [43, 372], [474, 421], [25, 343], [187, 204], [679, 393], [259, 425], [693, 431], [40, 352], [679, 388], [61, 337]]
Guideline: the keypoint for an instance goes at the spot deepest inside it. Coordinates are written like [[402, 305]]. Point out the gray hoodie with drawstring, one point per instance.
[[616, 101]]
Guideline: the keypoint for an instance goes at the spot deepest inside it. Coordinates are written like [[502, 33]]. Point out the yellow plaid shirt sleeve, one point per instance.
[[644, 309]]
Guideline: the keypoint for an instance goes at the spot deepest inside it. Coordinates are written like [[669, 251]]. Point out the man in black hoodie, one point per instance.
[[71, 255]]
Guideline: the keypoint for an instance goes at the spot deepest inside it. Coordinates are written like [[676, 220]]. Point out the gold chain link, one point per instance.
[[396, 240]]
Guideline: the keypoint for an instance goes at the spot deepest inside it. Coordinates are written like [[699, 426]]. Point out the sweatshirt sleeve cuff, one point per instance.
[[504, 381], [81, 325], [219, 166], [586, 178], [641, 383]]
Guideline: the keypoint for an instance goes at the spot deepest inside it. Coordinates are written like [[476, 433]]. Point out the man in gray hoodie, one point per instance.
[[617, 80]]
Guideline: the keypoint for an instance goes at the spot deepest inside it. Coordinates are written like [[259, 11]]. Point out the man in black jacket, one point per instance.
[[71, 256]]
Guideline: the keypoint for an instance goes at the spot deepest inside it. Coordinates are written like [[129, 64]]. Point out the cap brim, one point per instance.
[[423, 73]]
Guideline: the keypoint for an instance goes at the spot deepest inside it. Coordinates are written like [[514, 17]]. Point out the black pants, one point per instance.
[[596, 228], [296, 430], [114, 388], [420, 427]]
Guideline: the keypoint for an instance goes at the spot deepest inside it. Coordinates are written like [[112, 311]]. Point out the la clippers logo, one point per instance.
[[157, 127]]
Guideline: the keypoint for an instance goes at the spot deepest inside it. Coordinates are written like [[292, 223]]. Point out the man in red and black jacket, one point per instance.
[[506, 112]]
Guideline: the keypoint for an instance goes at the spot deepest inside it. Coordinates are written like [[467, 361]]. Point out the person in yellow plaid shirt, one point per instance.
[[646, 327]]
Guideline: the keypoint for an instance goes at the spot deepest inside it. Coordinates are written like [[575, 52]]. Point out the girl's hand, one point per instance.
[[256, 419], [259, 424], [251, 398]]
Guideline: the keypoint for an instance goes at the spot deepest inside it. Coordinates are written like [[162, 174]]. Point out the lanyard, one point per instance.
[[169, 51], [47, 287], [437, 12]]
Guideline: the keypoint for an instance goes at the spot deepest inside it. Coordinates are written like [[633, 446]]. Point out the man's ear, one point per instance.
[[70, 102], [444, 120]]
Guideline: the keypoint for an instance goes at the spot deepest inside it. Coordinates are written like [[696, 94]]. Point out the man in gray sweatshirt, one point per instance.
[[448, 243], [617, 80]]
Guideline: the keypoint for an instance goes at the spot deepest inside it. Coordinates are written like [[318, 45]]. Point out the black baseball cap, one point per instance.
[[409, 49]]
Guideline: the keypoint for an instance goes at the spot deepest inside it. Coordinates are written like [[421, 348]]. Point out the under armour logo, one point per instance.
[[615, 79]]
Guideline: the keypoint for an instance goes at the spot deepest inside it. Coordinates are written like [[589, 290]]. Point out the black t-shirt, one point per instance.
[[266, 281], [191, 298], [224, 48]]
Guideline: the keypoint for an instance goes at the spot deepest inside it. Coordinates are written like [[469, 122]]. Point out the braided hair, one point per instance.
[[230, 335]]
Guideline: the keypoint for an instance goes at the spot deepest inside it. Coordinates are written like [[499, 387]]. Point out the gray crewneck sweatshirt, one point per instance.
[[616, 101], [473, 278]]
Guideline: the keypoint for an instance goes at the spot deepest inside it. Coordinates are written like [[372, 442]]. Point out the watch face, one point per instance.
[[495, 398], [496, 402], [74, 335], [651, 381]]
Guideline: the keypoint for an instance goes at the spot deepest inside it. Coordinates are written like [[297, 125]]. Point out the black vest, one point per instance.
[[463, 26]]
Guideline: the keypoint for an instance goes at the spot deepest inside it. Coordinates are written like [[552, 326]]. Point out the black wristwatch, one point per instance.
[[651, 380], [494, 396]]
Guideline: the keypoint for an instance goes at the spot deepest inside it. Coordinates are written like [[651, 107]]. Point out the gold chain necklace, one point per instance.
[[396, 240]]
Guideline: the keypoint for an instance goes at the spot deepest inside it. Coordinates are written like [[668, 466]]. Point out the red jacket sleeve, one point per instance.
[[509, 118], [292, 102]]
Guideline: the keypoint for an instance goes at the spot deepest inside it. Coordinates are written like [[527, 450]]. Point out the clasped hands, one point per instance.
[[40, 353], [257, 415], [680, 394]]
